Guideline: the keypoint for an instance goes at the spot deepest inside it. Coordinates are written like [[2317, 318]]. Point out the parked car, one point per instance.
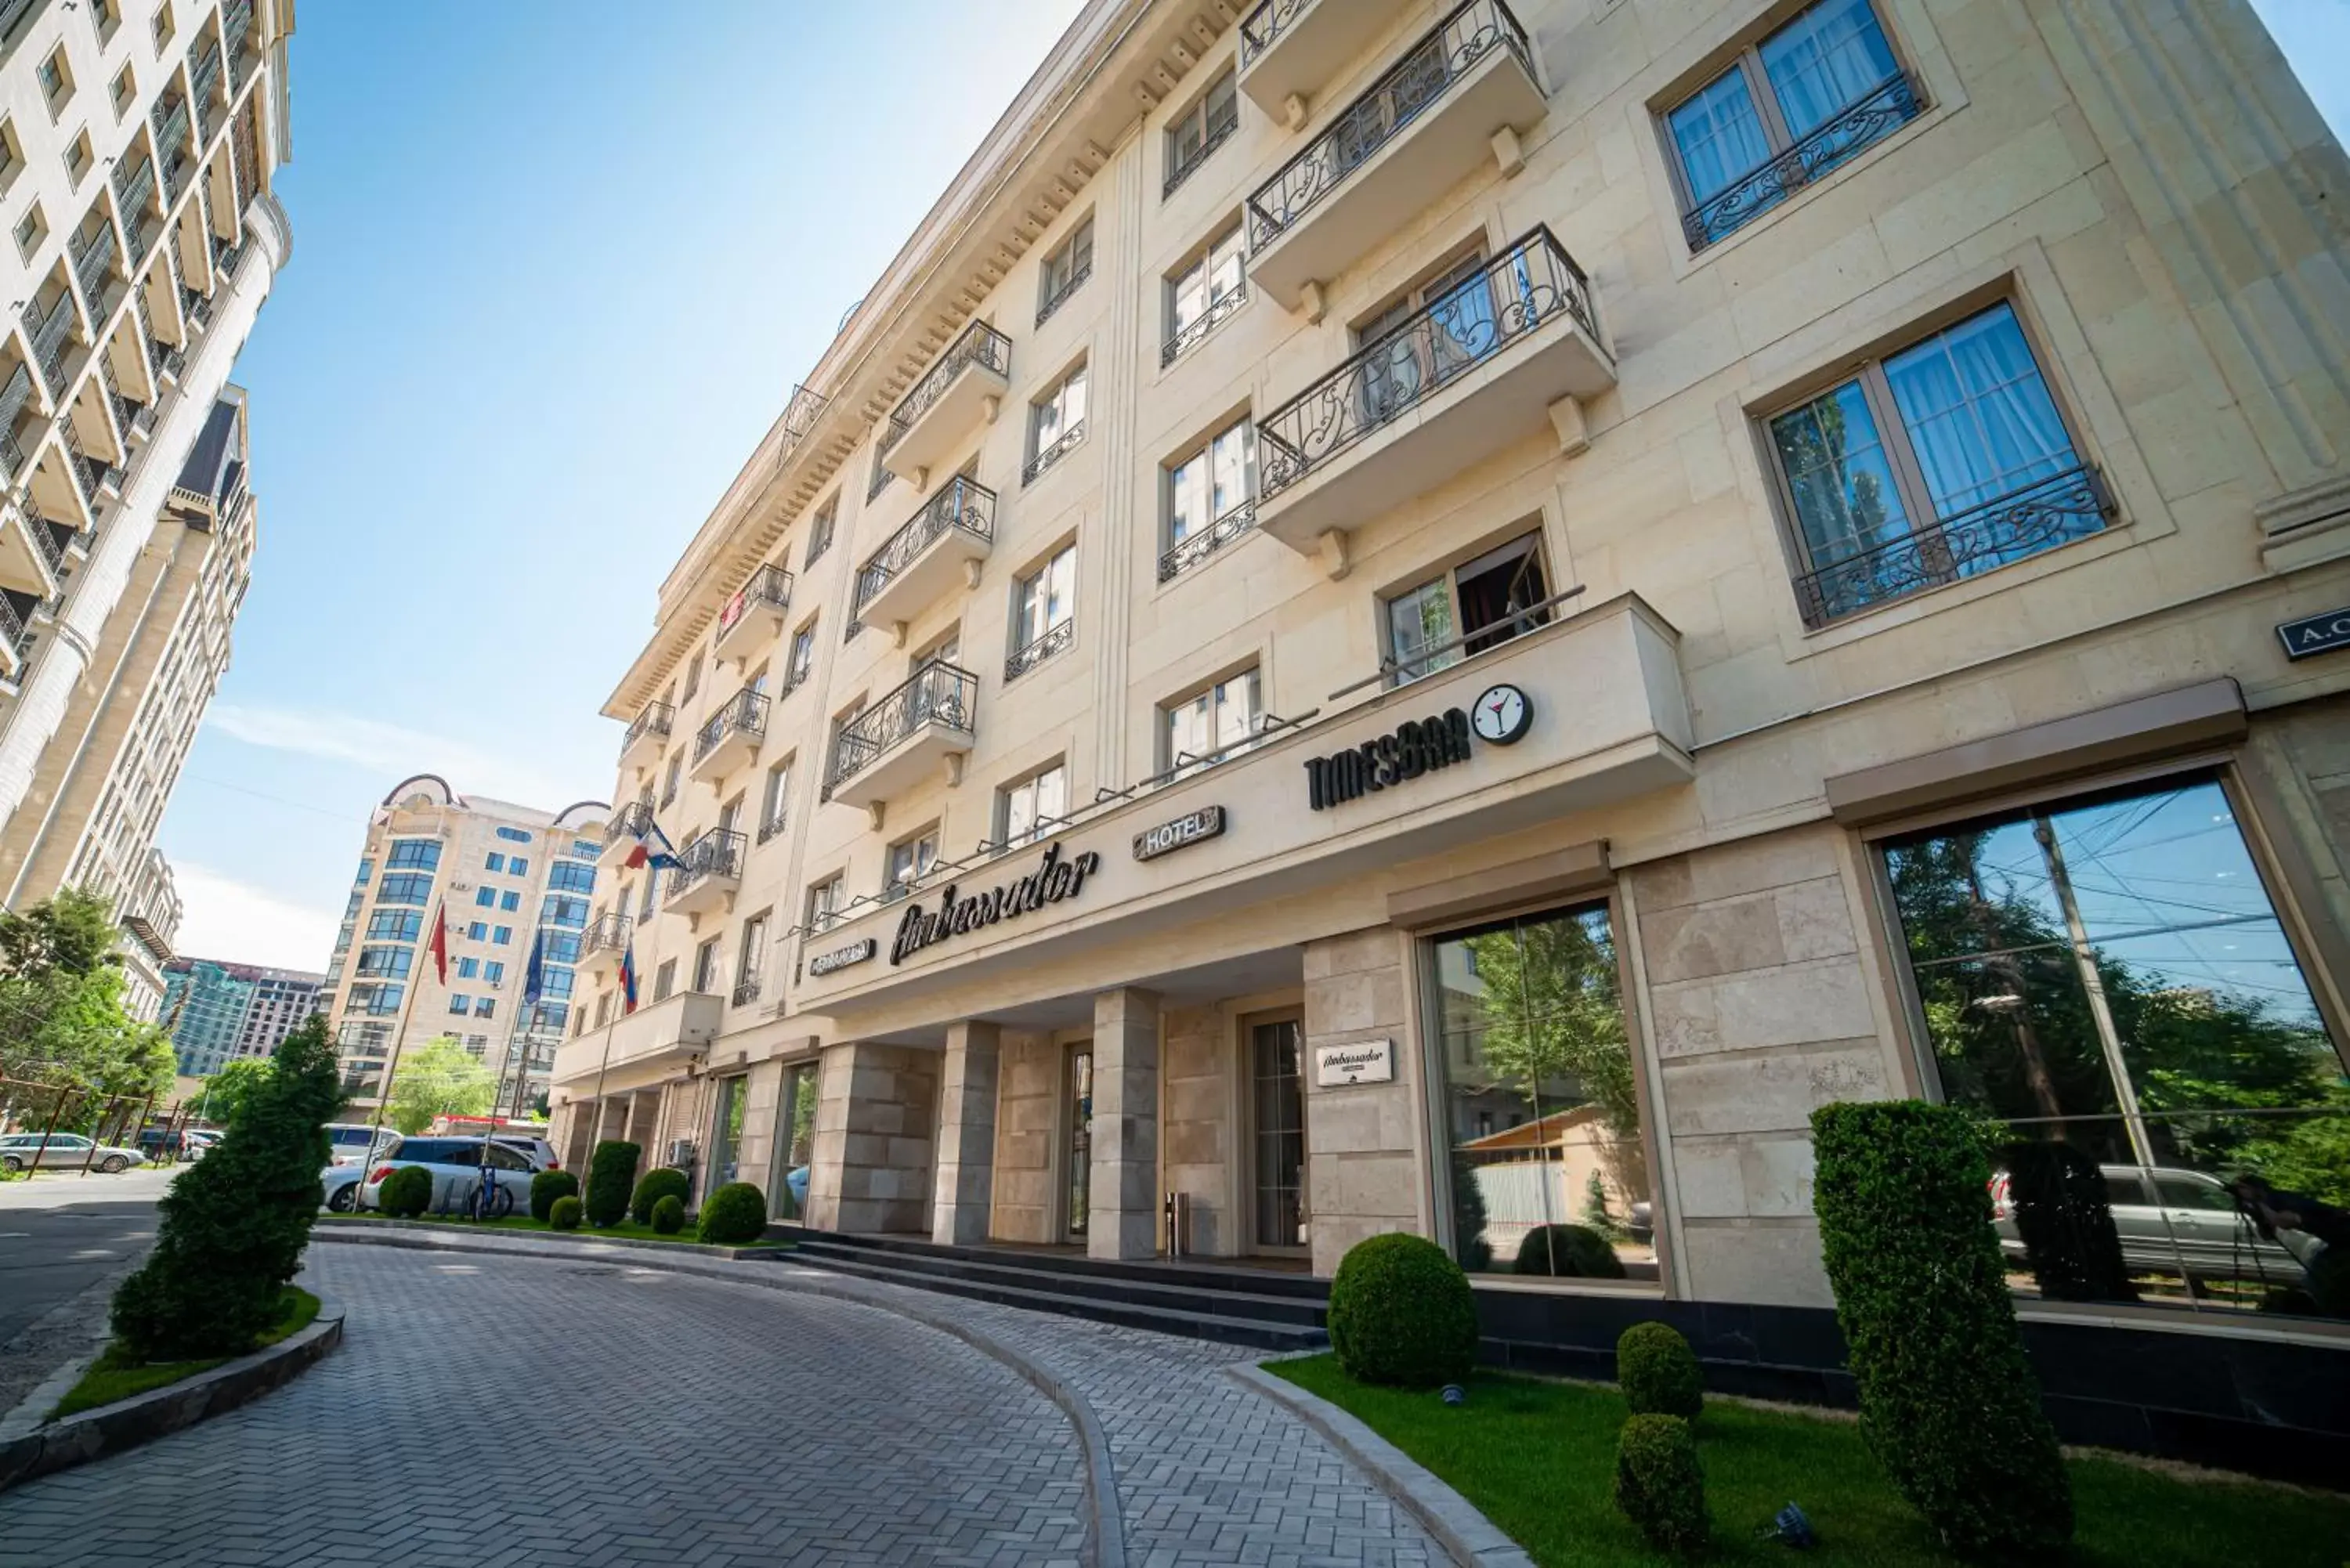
[[456, 1165], [2168, 1220], [200, 1139], [538, 1150], [339, 1187], [64, 1151], [351, 1141]]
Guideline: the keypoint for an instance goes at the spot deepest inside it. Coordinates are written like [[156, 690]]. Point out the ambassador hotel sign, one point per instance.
[[1054, 879]]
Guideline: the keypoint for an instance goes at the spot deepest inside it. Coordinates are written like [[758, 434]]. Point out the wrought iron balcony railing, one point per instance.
[[48, 335], [13, 11], [171, 130], [1195, 331], [90, 263], [960, 502], [204, 73], [125, 411], [1997, 533], [717, 853], [1219, 130], [771, 826], [12, 455], [1066, 442], [770, 585], [236, 20], [653, 719], [1428, 70], [747, 990], [1070, 285], [606, 933], [745, 713], [1260, 26], [936, 694], [633, 820], [44, 534], [12, 628], [1870, 118], [1533, 282], [980, 344], [1053, 640], [1194, 549]]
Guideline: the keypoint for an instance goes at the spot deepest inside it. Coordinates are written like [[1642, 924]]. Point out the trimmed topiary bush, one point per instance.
[[1659, 1372], [546, 1188], [611, 1174], [1659, 1486], [1568, 1251], [668, 1215], [1949, 1404], [1402, 1312], [406, 1192], [733, 1216], [563, 1213], [661, 1181]]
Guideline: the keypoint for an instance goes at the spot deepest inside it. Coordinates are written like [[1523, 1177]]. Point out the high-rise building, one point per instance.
[[1446, 617], [218, 1012], [508, 877], [139, 140]]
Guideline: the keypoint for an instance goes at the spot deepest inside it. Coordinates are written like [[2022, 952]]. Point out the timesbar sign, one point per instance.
[[1500, 717], [1051, 882]]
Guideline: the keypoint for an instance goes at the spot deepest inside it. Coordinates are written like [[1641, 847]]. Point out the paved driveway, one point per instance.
[[61, 1232]]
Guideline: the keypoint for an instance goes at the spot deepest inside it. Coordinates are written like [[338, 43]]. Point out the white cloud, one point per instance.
[[392, 751], [240, 923]]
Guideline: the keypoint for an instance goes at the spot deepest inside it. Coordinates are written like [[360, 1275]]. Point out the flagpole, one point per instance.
[[399, 1041]]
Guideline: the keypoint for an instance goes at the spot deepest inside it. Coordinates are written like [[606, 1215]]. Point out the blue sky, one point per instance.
[[554, 270]]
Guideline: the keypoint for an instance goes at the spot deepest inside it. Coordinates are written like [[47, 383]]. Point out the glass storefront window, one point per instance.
[[1547, 1171], [2105, 979], [789, 1197]]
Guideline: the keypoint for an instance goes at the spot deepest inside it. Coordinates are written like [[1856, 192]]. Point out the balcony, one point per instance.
[[674, 1029], [942, 544], [954, 396], [1290, 49], [49, 334], [707, 874], [132, 191], [32, 557], [603, 942], [170, 127], [14, 641], [1416, 133], [753, 617], [731, 736], [648, 730], [92, 264], [631, 824], [922, 726], [1504, 354]]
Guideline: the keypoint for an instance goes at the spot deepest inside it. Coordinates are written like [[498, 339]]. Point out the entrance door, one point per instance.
[[1077, 1180], [1276, 1099]]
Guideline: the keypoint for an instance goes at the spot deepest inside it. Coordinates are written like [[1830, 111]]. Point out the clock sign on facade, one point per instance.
[[1500, 718], [1501, 715]]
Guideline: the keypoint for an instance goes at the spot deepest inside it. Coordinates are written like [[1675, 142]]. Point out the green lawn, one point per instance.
[[1539, 1459], [114, 1376], [627, 1230]]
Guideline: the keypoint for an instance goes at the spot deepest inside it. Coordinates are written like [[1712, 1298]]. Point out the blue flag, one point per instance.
[[533, 979]]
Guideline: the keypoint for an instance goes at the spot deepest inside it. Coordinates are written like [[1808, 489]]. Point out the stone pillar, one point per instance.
[[872, 1169], [1123, 1217], [963, 1190], [1363, 1159]]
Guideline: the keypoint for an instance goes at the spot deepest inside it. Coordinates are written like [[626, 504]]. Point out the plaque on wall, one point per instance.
[[1358, 1061], [2327, 633], [1191, 829], [856, 951]]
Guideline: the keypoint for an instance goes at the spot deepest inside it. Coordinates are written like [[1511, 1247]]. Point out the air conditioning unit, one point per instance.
[[680, 1153]]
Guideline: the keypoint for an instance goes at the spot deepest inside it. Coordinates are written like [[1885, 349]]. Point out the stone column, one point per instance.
[[963, 1192], [872, 1169], [1123, 1219]]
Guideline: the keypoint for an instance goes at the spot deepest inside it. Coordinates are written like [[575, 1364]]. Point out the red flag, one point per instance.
[[439, 945]]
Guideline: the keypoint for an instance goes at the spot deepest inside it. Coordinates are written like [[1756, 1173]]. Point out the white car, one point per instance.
[[64, 1151], [349, 1141], [456, 1167], [338, 1186]]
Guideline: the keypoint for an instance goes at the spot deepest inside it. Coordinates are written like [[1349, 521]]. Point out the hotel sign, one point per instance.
[[1363, 1062], [1194, 827], [2327, 633], [1051, 882], [856, 951]]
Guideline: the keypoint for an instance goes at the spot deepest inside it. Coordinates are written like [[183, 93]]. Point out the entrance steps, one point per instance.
[[1263, 1308]]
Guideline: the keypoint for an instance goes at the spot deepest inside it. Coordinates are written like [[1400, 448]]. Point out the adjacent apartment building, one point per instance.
[[138, 143], [505, 876], [1445, 618], [218, 1012]]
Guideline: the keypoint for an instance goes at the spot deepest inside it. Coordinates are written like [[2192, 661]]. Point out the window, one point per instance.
[[1946, 460], [1033, 807], [31, 230], [478, 931], [802, 662], [665, 979], [1802, 102], [125, 89], [407, 887], [747, 958], [653, 885], [394, 926], [1056, 423], [1210, 495], [502, 935], [494, 971], [1201, 728], [705, 966], [692, 676], [414, 855], [1042, 606], [562, 948], [820, 530], [514, 835], [105, 16], [56, 77], [469, 968], [824, 902], [494, 862], [367, 869], [2106, 974], [78, 157], [485, 1007], [1200, 129], [510, 901], [1071, 263], [1530, 1035], [564, 911], [569, 876], [555, 982], [669, 782], [584, 850], [377, 998], [387, 961], [163, 27], [1484, 601], [773, 799], [911, 860], [518, 867], [1202, 293], [460, 1003], [485, 898], [603, 1008]]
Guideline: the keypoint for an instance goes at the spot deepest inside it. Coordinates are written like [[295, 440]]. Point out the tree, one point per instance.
[[438, 1078], [227, 1091], [72, 931]]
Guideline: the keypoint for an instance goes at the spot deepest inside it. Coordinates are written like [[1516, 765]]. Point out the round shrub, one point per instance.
[[611, 1174], [1949, 1405], [661, 1181], [563, 1213], [406, 1192], [668, 1215], [1659, 1372], [1402, 1312], [1658, 1484], [733, 1216], [546, 1188], [1568, 1251]]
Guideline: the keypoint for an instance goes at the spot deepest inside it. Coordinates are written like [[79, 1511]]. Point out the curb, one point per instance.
[[125, 1424], [395, 1233], [1106, 1529], [1468, 1537]]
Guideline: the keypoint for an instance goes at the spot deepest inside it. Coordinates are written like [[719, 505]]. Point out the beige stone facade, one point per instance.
[[1495, 312]]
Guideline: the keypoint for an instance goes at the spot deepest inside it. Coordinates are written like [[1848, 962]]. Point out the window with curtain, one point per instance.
[[1945, 460], [1795, 104], [1213, 482], [1046, 599], [1205, 291], [1479, 604]]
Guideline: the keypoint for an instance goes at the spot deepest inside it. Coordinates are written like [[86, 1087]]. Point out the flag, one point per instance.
[[644, 854], [534, 976], [439, 945], [628, 979]]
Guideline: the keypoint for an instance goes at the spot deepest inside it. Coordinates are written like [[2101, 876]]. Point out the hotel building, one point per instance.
[[1446, 617], [218, 1012]]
